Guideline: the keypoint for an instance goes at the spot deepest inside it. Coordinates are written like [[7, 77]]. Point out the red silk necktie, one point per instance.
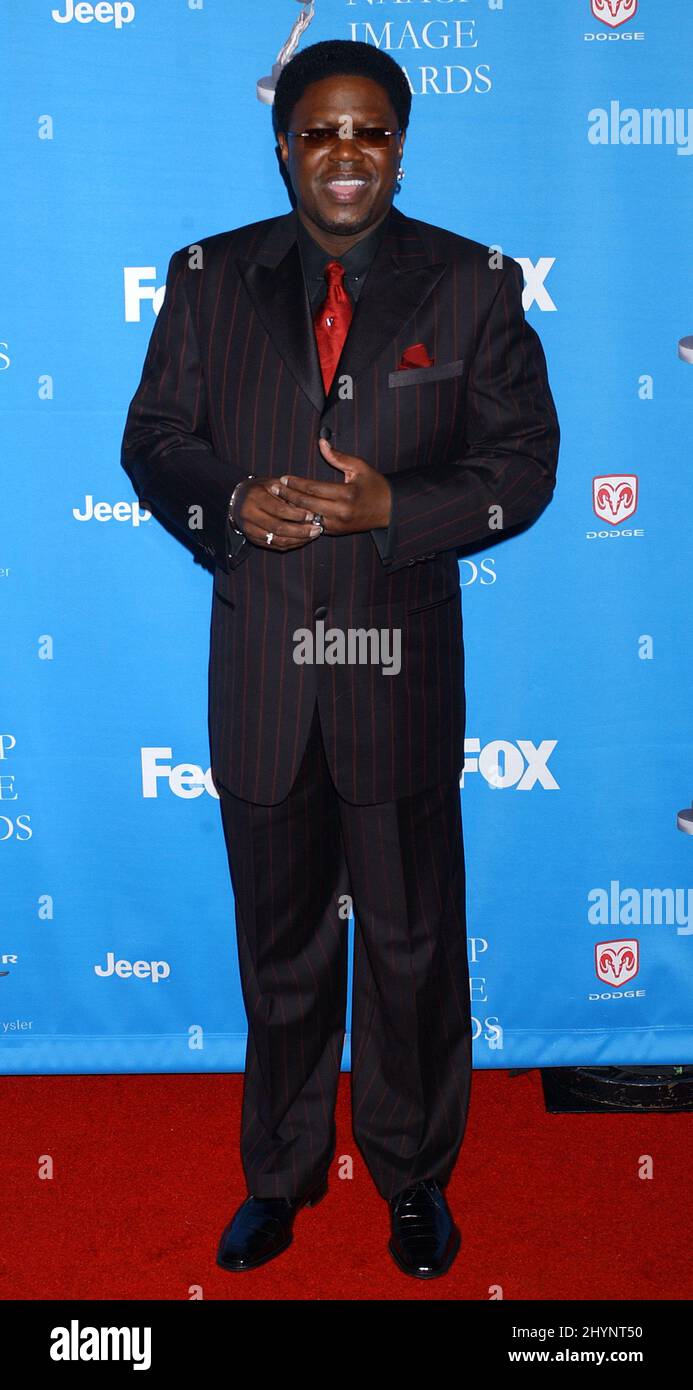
[[332, 321]]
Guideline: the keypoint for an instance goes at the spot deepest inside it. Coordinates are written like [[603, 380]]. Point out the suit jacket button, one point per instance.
[[320, 612]]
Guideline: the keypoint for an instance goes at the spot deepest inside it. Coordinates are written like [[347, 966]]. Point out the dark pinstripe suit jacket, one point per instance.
[[231, 385]]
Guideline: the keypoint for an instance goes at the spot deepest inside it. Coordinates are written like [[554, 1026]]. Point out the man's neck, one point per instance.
[[333, 244]]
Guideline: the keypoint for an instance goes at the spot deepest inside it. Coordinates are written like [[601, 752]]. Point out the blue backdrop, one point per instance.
[[557, 130]]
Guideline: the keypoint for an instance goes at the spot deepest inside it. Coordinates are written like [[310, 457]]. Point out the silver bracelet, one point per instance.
[[234, 527]]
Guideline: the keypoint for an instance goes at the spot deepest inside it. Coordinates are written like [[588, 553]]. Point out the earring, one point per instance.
[[400, 176]]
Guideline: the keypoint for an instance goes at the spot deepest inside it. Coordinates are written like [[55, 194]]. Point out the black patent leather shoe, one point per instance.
[[425, 1239], [261, 1229]]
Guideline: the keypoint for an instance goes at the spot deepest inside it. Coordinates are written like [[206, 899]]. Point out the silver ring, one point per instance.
[[270, 537], [318, 519]]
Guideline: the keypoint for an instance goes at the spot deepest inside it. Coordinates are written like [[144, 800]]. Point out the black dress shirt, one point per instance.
[[357, 262]]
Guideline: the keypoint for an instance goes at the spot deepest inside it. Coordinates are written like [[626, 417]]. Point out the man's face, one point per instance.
[[344, 188]]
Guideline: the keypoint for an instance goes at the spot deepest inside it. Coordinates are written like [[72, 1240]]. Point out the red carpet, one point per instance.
[[146, 1175]]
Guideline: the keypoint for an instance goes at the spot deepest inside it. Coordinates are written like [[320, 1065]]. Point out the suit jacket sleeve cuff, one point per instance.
[[384, 537], [234, 542]]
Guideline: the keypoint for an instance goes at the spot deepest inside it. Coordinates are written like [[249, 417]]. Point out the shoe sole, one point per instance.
[[434, 1274], [233, 1268]]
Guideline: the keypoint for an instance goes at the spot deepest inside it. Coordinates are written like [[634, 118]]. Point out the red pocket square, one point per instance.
[[415, 356]]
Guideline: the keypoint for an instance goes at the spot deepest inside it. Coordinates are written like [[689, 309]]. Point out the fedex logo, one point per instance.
[[187, 780], [136, 291]]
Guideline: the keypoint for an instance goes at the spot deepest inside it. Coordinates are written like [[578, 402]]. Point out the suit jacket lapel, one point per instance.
[[274, 281], [400, 278]]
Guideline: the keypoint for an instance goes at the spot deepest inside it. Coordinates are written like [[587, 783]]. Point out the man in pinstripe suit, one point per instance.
[[333, 401]]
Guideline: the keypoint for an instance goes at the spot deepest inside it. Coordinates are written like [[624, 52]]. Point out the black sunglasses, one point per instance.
[[372, 136]]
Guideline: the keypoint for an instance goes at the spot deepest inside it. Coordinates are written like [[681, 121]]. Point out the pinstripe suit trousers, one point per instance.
[[402, 863]]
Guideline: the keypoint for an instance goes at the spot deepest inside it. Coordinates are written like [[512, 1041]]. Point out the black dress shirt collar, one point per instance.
[[356, 262]]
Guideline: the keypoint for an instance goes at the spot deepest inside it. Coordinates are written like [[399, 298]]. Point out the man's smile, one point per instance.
[[346, 188]]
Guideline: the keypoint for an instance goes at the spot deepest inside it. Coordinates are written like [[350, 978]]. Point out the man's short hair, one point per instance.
[[343, 58]]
